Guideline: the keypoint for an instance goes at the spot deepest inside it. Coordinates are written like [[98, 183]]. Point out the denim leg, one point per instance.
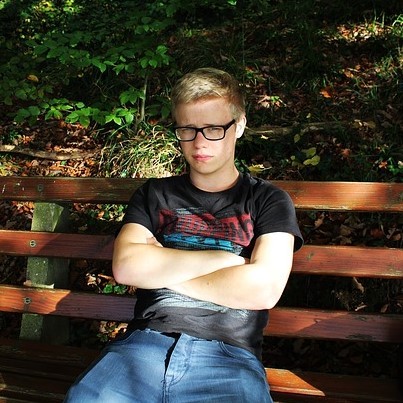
[[212, 371], [128, 370], [150, 367]]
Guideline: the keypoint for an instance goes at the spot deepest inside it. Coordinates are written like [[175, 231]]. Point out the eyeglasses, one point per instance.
[[212, 133]]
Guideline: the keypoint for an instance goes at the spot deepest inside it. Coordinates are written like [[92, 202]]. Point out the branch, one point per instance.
[[49, 155], [277, 131]]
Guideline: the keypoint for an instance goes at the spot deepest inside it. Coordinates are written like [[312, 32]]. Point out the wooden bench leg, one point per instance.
[[47, 273]]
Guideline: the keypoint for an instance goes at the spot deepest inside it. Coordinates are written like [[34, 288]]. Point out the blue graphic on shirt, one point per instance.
[[192, 242]]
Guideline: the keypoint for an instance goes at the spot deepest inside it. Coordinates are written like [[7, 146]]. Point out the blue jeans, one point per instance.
[[148, 367]]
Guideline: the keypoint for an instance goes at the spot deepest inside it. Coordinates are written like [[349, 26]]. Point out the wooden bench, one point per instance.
[[42, 372]]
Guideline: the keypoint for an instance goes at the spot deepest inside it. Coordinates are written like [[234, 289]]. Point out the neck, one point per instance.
[[213, 183]]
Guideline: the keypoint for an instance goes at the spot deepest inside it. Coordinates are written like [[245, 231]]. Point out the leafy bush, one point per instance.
[[110, 64], [88, 61]]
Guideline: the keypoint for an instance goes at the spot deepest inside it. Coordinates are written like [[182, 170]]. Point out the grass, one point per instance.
[[152, 152]]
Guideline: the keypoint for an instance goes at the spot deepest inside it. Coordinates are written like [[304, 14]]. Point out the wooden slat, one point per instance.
[[345, 196], [32, 389], [24, 361], [293, 386], [354, 196], [342, 325], [51, 244], [39, 372], [285, 322], [323, 260], [80, 190], [66, 303], [347, 261]]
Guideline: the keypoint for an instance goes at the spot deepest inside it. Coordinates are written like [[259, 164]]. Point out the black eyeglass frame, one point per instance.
[[201, 130]]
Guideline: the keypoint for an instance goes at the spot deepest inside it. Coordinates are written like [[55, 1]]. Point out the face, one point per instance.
[[209, 160]]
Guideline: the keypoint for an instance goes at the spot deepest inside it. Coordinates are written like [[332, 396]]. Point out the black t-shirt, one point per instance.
[[182, 216]]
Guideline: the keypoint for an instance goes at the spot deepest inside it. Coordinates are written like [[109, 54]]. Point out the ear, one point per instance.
[[240, 127]]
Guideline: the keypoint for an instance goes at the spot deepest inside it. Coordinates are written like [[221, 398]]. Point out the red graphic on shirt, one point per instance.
[[237, 229]]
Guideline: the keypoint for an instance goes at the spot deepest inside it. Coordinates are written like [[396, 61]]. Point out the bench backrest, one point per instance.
[[333, 260]]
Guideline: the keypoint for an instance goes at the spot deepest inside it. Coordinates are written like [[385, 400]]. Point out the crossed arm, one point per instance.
[[212, 275]]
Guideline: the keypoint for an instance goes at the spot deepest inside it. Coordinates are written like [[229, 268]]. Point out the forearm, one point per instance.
[[150, 266], [258, 285], [238, 287]]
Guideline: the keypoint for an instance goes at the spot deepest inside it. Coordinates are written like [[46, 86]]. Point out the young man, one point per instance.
[[210, 251]]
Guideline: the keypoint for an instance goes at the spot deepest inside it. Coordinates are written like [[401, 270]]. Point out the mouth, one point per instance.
[[201, 158]]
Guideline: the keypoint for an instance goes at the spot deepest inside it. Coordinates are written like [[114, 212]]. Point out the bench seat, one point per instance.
[[43, 373]]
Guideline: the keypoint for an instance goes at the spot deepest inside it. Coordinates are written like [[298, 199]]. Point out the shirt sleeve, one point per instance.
[[138, 208], [276, 213]]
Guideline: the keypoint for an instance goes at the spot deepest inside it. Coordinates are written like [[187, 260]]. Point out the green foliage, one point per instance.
[[11, 136], [87, 61], [308, 157], [114, 289], [111, 64]]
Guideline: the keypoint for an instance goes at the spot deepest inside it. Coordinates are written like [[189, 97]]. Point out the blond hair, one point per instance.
[[209, 82]]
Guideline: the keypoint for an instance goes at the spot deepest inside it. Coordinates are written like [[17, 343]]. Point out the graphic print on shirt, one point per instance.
[[195, 228]]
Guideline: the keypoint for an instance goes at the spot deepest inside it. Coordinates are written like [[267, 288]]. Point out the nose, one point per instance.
[[199, 139]]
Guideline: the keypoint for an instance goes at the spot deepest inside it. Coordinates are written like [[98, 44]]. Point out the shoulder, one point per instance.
[[268, 200], [275, 210]]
